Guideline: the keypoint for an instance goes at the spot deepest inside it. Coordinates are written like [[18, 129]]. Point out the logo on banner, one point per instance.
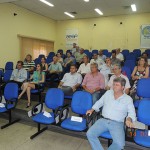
[[146, 32]]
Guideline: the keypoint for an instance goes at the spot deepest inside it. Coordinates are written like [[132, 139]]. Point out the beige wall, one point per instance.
[[108, 33], [25, 23]]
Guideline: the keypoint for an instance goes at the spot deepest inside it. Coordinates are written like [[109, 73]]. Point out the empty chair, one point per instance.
[[7, 76], [127, 72], [130, 63], [143, 115], [9, 66], [108, 54], [137, 52], [11, 98], [143, 87], [95, 51], [54, 100], [80, 98], [105, 52], [147, 51]]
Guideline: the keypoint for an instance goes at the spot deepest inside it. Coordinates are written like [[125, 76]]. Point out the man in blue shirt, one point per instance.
[[117, 106]]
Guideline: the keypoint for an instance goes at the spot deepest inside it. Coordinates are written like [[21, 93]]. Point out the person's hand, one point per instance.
[[129, 124], [59, 86], [89, 112]]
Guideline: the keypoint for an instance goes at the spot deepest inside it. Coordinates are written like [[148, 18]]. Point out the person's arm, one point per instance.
[[133, 73], [127, 91], [60, 84], [79, 70], [78, 82], [146, 73], [46, 67], [24, 76], [12, 75], [131, 115], [102, 82]]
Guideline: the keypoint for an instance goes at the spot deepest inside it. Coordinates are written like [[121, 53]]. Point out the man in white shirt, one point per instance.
[[71, 81], [117, 107], [117, 73], [119, 55], [101, 56], [85, 67], [97, 60], [19, 75]]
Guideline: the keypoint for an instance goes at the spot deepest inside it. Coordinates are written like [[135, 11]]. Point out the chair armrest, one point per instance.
[[35, 110], [66, 107], [11, 101]]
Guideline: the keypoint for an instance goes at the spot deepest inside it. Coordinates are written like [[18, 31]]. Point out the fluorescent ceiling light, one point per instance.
[[98, 11], [70, 15], [47, 3], [133, 6], [86, 0]]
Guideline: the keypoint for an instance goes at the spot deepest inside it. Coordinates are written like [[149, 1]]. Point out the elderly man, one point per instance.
[[79, 57], [94, 82], [97, 60], [117, 73], [85, 67], [71, 81], [101, 56], [19, 75], [119, 55], [116, 107], [114, 59]]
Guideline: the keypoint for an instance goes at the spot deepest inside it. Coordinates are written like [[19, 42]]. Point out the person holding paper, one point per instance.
[[71, 81], [117, 106]]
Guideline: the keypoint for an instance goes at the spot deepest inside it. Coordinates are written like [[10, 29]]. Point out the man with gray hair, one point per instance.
[[117, 73], [94, 82], [117, 107]]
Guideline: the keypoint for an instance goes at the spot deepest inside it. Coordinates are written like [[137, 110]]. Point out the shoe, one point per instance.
[[28, 105]]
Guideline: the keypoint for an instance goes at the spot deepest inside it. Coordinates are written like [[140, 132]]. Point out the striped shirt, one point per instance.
[[28, 65]]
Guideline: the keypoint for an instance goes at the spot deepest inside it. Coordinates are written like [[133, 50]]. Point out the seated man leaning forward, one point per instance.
[[117, 73], [94, 82], [117, 106], [71, 81]]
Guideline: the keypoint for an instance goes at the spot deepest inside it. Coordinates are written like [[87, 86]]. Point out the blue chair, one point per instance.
[[7, 76], [108, 54], [125, 53], [8, 66], [105, 52], [137, 52], [143, 87], [127, 71], [95, 51], [54, 100], [79, 99], [11, 98], [130, 63], [141, 136]]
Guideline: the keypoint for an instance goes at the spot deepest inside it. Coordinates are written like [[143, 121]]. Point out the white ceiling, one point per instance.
[[83, 9]]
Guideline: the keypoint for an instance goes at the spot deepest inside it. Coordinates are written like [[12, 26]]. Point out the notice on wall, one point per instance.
[[145, 36], [71, 37]]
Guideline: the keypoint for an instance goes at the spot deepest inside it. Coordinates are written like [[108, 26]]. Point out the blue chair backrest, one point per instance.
[[143, 114], [108, 54], [95, 51], [126, 71], [143, 88], [130, 63], [54, 98], [9, 66], [105, 51], [11, 91], [137, 51], [51, 54], [7, 75], [81, 102]]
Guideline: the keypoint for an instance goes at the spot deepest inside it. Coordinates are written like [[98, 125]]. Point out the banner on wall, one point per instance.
[[71, 37], [145, 36]]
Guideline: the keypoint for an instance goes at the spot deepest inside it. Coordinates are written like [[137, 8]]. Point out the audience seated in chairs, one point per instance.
[[84, 67], [54, 70], [19, 75], [38, 78], [140, 71], [117, 106], [106, 70], [101, 56], [94, 82], [60, 59], [79, 57], [44, 65], [29, 64], [97, 60], [68, 61], [71, 81], [117, 73], [114, 58]]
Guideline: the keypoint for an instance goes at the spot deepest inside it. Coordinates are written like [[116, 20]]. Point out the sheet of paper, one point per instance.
[[140, 125], [47, 114], [2, 105], [148, 132], [77, 119]]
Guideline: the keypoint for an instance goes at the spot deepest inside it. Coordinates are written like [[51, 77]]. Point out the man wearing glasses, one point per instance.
[[117, 73]]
